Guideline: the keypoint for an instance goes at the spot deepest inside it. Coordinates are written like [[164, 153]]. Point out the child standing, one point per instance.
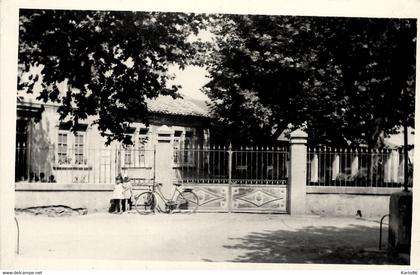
[[117, 195], [127, 193]]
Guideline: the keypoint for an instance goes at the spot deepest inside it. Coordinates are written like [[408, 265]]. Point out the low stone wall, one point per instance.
[[320, 200], [346, 201], [93, 197]]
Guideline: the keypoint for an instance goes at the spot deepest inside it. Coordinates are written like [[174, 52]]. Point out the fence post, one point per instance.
[[297, 179], [230, 178]]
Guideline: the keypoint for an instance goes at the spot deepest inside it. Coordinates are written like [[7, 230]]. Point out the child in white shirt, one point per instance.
[[127, 193]]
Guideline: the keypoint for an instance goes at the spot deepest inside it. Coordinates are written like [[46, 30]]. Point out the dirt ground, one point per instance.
[[210, 237]]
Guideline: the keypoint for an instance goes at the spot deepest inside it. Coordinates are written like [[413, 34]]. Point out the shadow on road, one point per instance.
[[326, 245]]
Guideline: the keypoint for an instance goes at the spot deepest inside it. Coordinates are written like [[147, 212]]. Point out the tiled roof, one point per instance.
[[178, 106]]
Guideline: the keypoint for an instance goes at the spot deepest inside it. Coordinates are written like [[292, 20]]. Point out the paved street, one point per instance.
[[210, 237]]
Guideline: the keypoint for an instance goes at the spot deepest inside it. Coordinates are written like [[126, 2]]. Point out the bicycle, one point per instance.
[[186, 200]]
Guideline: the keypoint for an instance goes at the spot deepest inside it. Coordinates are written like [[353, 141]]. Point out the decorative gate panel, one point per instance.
[[211, 197], [249, 198]]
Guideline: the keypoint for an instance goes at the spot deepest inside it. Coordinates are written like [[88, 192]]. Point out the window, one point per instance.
[[176, 145], [128, 150], [71, 147], [62, 149], [128, 154], [143, 140], [187, 144], [137, 154], [79, 149], [183, 152]]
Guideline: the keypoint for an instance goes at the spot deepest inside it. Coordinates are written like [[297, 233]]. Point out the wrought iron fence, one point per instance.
[[34, 164], [222, 165], [202, 165], [138, 164], [132, 158], [356, 167], [215, 165], [86, 165], [261, 165]]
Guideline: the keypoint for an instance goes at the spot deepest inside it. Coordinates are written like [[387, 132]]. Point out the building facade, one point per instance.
[[47, 151]]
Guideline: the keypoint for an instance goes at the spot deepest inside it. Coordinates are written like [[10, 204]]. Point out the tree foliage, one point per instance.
[[109, 62], [347, 80], [344, 79]]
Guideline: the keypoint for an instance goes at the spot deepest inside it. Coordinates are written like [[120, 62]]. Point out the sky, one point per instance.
[[192, 78]]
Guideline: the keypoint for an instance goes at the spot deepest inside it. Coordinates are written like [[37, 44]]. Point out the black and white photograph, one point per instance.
[[211, 137]]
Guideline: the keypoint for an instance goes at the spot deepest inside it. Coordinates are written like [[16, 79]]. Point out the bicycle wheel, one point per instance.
[[145, 203], [186, 202]]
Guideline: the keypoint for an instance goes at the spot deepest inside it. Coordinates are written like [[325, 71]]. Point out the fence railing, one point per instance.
[[214, 165], [202, 165], [195, 165], [81, 165], [356, 167], [222, 165]]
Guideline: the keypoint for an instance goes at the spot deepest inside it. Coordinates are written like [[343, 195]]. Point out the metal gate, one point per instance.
[[242, 180]]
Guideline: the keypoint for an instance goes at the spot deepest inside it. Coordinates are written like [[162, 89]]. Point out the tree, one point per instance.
[[109, 62], [341, 78]]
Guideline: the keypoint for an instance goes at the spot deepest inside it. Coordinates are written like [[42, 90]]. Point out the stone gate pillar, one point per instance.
[[297, 178], [164, 160]]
